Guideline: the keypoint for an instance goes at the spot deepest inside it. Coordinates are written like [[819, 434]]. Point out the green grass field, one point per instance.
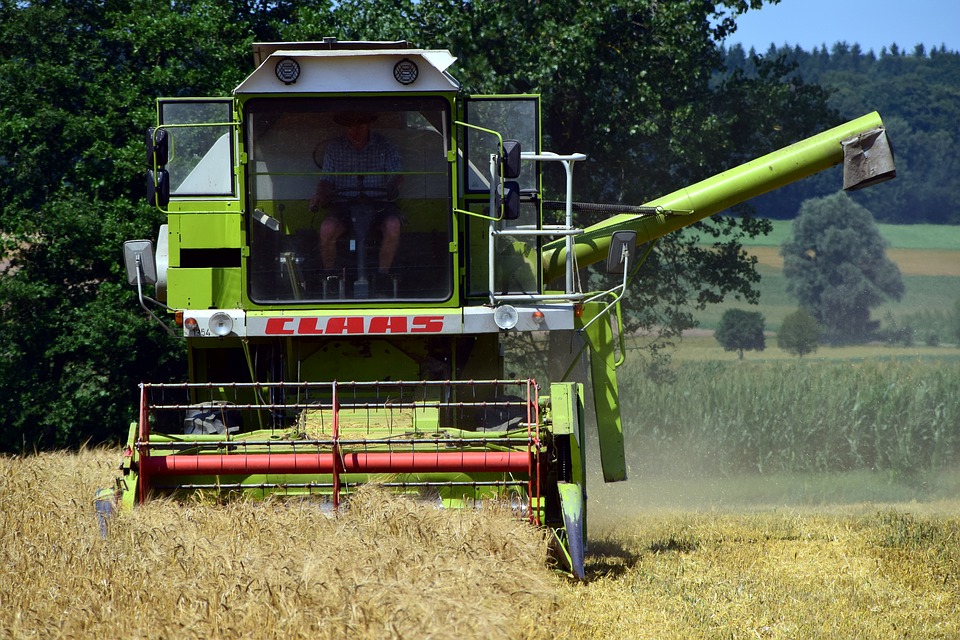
[[914, 236], [928, 257]]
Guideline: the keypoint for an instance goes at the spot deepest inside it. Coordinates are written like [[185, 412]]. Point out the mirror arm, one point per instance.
[[619, 292], [141, 298]]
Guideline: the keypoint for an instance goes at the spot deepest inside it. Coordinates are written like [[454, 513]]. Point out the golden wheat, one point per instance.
[[385, 567], [864, 571]]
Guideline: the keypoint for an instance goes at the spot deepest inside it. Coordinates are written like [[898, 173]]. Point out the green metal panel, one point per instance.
[[603, 375], [567, 415], [207, 230], [127, 481], [203, 206], [190, 288], [563, 408], [227, 288], [204, 288]]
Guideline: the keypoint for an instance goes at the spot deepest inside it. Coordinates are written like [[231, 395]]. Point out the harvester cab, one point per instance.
[[349, 239]]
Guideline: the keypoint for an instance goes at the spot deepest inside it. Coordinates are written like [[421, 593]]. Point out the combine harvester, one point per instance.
[[324, 355]]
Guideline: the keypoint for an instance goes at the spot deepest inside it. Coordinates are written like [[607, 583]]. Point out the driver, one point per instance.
[[357, 163]]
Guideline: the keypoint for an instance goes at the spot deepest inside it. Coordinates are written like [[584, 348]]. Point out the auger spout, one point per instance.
[[691, 204]]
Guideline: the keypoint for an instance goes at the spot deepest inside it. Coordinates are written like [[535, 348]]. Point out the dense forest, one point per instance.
[[918, 95]]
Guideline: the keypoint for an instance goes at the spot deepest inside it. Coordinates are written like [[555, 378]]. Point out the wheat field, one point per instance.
[[387, 567]]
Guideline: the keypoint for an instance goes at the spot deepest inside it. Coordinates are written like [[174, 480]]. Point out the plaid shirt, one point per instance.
[[379, 157]]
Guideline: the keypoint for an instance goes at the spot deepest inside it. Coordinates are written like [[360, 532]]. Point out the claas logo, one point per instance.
[[354, 325]]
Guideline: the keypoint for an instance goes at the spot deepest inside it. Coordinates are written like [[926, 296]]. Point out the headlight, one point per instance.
[[506, 317], [221, 324], [405, 72], [288, 70]]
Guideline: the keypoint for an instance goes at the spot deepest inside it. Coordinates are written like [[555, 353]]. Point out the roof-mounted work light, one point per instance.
[[288, 70], [406, 71]]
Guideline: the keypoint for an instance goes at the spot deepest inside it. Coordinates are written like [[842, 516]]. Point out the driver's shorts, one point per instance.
[[341, 212]]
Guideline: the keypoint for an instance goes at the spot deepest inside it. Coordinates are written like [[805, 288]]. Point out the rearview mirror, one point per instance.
[[157, 147], [511, 159], [158, 188], [510, 201], [622, 244], [139, 261]]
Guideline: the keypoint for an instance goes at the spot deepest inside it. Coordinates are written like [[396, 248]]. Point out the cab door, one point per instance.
[[195, 182], [515, 257]]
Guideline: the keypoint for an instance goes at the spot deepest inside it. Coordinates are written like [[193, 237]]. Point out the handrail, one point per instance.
[[567, 230]]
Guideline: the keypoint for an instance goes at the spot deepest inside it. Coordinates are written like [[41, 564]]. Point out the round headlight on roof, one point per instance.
[[406, 71], [288, 70]]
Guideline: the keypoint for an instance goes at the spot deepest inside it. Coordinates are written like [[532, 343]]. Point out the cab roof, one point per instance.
[[347, 67]]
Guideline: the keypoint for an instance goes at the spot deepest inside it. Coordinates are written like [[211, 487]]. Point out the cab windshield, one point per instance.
[[350, 200]]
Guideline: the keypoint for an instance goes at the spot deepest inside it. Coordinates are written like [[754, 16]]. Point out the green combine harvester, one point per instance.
[[349, 239]]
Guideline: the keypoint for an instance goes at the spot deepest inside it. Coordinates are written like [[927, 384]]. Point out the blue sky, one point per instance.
[[871, 23]]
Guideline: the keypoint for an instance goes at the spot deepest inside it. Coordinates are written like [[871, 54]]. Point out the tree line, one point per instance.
[[918, 95]]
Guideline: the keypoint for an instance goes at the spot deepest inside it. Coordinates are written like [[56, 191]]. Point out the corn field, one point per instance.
[[772, 417]]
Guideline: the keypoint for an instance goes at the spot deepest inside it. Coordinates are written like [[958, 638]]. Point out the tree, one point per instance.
[[927, 188], [77, 84], [741, 331], [836, 267], [799, 333]]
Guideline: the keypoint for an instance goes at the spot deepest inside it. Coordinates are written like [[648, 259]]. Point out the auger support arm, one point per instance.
[[599, 336]]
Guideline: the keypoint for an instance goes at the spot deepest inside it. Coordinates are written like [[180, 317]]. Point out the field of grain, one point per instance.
[[853, 571], [386, 568], [769, 566], [767, 499], [911, 262]]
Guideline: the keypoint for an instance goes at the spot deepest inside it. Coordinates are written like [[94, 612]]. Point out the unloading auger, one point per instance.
[[323, 356]]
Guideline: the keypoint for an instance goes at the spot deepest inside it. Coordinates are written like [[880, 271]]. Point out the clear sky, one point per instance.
[[872, 24]]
